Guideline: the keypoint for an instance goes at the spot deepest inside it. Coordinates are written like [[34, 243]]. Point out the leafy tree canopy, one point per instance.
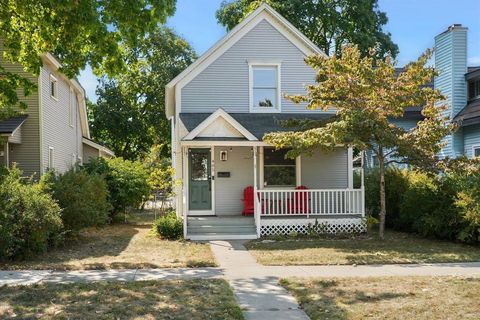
[[129, 116], [366, 95], [77, 32], [330, 24]]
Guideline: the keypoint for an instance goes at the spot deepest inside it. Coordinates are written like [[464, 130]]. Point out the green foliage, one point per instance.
[[30, 219], [330, 24], [126, 181], [77, 32], [169, 226], [82, 197], [160, 171], [129, 116]]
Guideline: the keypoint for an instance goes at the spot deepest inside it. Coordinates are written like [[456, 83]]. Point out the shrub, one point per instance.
[[30, 219], [126, 181], [169, 226], [82, 197]]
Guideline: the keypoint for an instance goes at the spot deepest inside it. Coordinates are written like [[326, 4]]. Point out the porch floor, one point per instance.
[[220, 228]]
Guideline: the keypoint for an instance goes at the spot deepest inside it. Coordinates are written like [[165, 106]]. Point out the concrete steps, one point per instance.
[[220, 228]]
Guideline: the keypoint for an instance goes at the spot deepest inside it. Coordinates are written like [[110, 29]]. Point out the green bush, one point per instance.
[[30, 219], [126, 181], [169, 226], [82, 197]]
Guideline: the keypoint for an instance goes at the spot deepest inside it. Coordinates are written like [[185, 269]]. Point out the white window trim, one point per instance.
[[50, 159], [251, 65], [475, 146], [71, 107], [54, 80]]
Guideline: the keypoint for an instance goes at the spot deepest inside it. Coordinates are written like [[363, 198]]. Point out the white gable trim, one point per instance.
[[263, 12], [214, 116]]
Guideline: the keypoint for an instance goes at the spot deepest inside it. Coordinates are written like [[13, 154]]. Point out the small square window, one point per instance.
[[53, 87]]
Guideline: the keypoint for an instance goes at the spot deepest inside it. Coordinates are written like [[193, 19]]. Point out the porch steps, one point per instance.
[[221, 228]]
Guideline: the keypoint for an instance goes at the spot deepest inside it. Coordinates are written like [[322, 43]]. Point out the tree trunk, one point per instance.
[[383, 209]]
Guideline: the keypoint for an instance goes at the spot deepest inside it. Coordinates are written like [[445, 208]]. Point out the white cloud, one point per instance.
[[474, 61]]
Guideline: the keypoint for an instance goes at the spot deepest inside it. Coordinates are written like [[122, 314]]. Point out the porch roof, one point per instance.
[[470, 114], [257, 124], [8, 126]]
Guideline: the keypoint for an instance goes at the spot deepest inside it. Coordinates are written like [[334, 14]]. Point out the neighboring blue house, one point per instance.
[[461, 85]]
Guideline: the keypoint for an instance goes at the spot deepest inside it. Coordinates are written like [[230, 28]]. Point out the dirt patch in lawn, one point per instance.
[[120, 246], [388, 297], [174, 299], [396, 248]]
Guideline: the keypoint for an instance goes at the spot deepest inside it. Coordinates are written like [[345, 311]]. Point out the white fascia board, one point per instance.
[[263, 12], [211, 118]]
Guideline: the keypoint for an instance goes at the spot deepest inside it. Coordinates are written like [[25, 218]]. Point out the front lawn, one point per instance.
[[396, 248], [173, 299], [388, 297], [120, 246]]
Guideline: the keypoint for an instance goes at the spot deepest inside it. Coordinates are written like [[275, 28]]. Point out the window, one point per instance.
[[265, 87], [74, 159], [53, 87], [278, 171], [50, 158], [71, 105], [476, 151], [474, 89]]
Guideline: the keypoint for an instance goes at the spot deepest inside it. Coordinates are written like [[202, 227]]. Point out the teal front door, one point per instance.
[[200, 180]]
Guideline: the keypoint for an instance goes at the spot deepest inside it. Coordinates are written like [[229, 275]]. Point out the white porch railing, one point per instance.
[[329, 202]]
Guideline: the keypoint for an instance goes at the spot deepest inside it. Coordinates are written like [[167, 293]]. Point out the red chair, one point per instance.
[[299, 204], [248, 205]]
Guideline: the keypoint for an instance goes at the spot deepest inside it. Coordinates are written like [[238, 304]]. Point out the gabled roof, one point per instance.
[[8, 126], [263, 12]]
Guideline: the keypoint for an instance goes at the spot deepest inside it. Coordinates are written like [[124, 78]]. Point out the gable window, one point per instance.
[[474, 89], [53, 87], [278, 171], [265, 87]]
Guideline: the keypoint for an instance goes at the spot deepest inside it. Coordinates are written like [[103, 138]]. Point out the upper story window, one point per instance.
[[265, 87], [53, 87], [473, 89]]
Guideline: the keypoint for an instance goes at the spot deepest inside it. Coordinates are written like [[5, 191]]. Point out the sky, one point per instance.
[[412, 23]]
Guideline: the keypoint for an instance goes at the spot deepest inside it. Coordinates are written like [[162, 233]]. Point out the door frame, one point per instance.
[[210, 212]]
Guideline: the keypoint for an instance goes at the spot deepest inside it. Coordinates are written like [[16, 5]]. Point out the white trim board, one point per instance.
[[263, 12], [214, 116]]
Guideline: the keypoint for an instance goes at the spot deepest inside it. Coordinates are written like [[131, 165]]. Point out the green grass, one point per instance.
[[173, 299], [120, 246], [388, 297], [396, 248]]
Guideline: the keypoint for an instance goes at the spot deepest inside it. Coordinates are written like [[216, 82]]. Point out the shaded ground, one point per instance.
[[396, 248], [388, 297], [120, 246], [173, 299]]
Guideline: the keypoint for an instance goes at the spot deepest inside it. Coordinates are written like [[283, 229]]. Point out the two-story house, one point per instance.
[[53, 132], [220, 108]]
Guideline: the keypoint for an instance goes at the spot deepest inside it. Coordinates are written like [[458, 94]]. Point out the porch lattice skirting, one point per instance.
[[270, 227]]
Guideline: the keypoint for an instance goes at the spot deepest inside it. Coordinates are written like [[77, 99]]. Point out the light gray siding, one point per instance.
[[56, 130], [229, 191], [89, 153], [471, 135], [325, 170], [225, 83], [27, 154]]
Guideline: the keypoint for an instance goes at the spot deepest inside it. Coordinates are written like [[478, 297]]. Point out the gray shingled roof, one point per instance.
[[11, 124], [470, 114]]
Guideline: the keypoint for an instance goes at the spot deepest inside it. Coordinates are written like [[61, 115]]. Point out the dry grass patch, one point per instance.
[[396, 248], [120, 246], [388, 297], [175, 299]]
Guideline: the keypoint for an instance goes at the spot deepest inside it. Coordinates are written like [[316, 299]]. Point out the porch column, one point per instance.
[[256, 213], [362, 183], [7, 154], [350, 167]]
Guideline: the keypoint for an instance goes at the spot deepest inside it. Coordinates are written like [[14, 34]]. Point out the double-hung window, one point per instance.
[[53, 87], [265, 87], [278, 171], [476, 151]]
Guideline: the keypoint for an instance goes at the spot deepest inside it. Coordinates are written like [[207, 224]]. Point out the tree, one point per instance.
[[366, 94], [77, 32], [129, 116], [330, 24]]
